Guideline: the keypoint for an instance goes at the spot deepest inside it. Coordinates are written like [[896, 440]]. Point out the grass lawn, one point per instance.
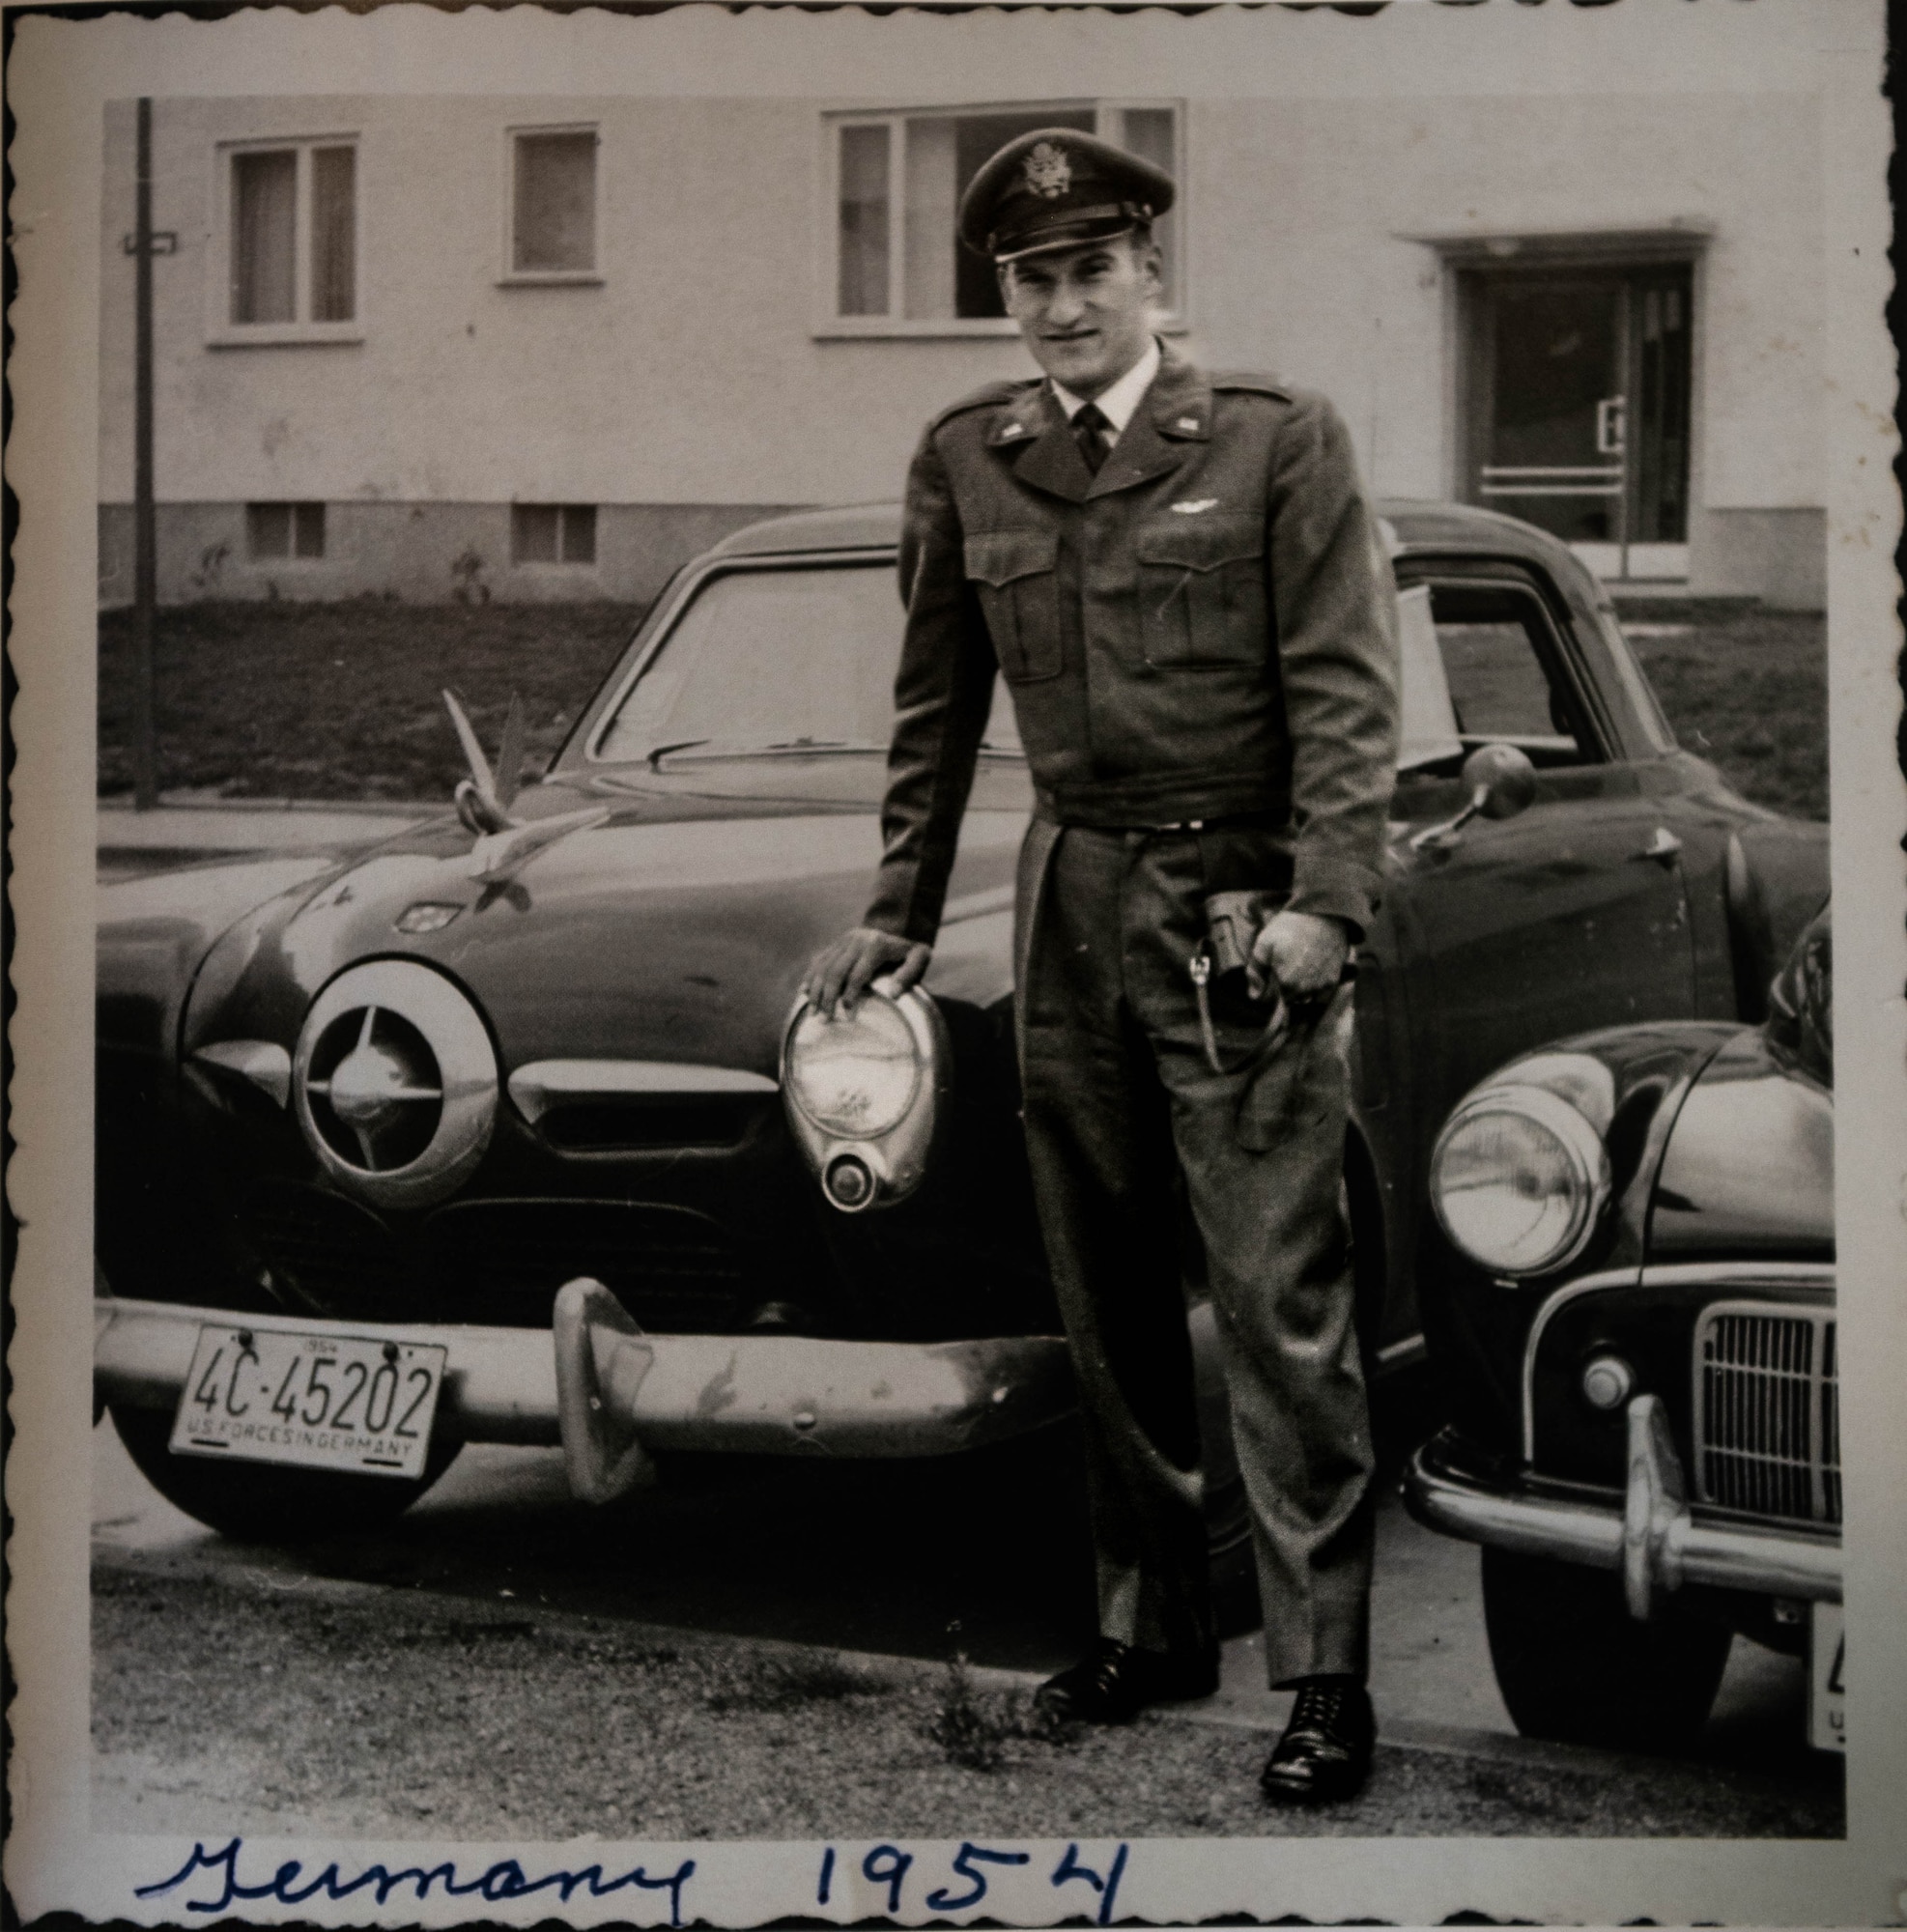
[[340, 700], [1747, 687]]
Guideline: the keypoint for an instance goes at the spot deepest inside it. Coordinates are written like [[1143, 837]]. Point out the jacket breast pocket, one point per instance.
[[1201, 591], [1016, 573]]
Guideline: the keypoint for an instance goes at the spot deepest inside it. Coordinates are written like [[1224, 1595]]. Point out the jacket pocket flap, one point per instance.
[[998, 557], [1201, 543]]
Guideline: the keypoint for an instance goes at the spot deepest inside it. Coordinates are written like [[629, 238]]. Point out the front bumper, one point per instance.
[[1653, 1539], [772, 1395]]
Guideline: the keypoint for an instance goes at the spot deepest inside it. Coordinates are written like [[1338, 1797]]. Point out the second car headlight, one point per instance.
[[1518, 1180], [856, 1074]]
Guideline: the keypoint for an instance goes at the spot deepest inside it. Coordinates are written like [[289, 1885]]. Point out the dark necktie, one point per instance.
[[1090, 431]]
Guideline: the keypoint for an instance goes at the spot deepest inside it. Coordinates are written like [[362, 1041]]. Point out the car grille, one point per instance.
[[502, 1261], [1768, 1411]]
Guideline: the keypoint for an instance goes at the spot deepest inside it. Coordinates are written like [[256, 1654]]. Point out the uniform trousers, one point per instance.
[[1138, 1146]]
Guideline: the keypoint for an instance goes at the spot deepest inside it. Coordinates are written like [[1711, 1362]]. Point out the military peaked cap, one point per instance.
[[1059, 188]]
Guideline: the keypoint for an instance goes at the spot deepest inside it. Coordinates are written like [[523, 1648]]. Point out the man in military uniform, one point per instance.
[[1178, 577]]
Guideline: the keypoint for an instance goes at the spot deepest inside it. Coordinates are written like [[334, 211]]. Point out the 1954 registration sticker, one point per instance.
[[322, 1402]]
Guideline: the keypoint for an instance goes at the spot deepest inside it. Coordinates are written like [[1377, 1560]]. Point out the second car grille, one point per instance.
[[1767, 1411]]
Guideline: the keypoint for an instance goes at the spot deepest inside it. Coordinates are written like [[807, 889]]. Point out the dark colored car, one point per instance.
[[1636, 1336], [358, 1124]]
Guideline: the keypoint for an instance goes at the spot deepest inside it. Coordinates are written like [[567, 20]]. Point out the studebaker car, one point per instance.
[[1637, 1338], [510, 1129]]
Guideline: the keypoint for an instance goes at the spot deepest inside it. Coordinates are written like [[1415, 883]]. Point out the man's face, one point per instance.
[[1086, 312]]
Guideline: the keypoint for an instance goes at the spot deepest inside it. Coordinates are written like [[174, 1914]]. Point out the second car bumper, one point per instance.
[[1652, 1537], [775, 1395]]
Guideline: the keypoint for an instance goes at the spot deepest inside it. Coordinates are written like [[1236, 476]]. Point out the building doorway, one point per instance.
[[1578, 385]]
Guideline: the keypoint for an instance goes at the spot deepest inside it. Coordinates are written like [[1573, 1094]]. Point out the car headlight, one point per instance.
[[1518, 1180], [855, 1075], [862, 1092]]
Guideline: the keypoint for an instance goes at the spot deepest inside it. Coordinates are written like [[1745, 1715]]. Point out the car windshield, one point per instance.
[[780, 660]]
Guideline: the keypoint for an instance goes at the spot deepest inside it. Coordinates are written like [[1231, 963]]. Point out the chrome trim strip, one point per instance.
[[1558, 1298], [1412, 1349], [262, 1061], [1725, 1556], [1739, 1275], [543, 1084], [777, 1395], [974, 905]]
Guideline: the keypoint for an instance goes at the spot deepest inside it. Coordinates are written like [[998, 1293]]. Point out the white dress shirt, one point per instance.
[[1123, 398]]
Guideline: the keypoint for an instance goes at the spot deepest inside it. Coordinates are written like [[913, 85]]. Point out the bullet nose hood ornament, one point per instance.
[[504, 843]]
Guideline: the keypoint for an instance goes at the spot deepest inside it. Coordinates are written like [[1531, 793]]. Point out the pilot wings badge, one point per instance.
[[1049, 172]]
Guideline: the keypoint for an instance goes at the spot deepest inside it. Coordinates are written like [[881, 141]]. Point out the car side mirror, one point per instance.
[[1501, 784]]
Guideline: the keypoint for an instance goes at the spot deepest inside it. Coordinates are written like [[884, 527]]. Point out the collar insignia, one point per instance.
[[1188, 423], [1047, 171]]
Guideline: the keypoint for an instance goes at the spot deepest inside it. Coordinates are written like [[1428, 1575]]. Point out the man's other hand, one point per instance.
[[1299, 954], [843, 972]]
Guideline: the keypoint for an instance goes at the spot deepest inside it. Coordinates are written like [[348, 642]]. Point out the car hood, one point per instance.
[[676, 928]]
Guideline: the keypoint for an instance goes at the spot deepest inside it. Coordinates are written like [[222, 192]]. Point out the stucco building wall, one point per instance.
[[689, 387]]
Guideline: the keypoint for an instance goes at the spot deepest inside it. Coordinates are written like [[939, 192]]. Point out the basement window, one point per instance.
[[553, 534], [278, 533]]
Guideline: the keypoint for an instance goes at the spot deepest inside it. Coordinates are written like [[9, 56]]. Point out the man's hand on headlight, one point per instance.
[[1300, 955], [843, 972]]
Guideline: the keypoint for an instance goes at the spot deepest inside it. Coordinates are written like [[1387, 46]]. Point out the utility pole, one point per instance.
[[145, 552]]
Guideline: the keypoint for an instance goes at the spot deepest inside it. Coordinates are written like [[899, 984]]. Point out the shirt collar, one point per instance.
[[1120, 401]]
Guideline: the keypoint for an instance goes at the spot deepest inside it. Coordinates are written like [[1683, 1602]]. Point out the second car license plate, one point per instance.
[[1827, 1659], [319, 1402]]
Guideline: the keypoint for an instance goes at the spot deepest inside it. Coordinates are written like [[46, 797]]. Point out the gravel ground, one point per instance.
[[255, 1707]]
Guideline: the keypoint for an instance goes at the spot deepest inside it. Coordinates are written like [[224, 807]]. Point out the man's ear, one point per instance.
[[1151, 264]]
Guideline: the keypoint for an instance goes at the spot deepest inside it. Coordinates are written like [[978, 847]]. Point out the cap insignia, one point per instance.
[[1048, 173]]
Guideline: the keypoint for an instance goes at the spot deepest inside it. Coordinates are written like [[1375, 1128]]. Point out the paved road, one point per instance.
[[878, 1572]]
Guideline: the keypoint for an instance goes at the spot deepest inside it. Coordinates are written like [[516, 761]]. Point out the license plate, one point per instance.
[[318, 1402], [1826, 1658]]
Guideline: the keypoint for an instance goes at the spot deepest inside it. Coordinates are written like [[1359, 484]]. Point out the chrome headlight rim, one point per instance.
[[466, 1077], [920, 1042], [1581, 1141], [896, 1158]]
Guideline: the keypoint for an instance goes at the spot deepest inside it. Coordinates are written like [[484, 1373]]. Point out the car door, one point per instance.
[[1572, 914]]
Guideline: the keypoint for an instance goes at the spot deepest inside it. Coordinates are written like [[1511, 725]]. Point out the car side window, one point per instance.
[[1506, 683]]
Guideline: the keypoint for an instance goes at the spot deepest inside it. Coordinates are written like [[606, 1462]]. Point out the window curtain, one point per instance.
[[264, 232]]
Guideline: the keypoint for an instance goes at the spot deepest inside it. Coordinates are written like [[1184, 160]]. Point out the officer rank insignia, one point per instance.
[[1048, 173]]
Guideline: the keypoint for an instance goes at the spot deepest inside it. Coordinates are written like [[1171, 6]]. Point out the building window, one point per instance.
[[292, 239], [275, 533], [897, 182], [553, 534], [552, 204]]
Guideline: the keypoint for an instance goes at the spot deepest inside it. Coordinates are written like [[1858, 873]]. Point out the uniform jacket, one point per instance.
[[1203, 630]]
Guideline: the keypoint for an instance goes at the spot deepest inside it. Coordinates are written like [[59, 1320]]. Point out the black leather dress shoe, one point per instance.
[[1117, 1682], [1326, 1752]]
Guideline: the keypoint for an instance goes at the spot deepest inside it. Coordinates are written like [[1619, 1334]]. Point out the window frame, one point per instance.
[[221, 331], [292, 556], [561, 561], [829, 322], [508, 275]]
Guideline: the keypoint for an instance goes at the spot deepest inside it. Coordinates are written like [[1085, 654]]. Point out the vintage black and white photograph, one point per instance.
[[963, 983]]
